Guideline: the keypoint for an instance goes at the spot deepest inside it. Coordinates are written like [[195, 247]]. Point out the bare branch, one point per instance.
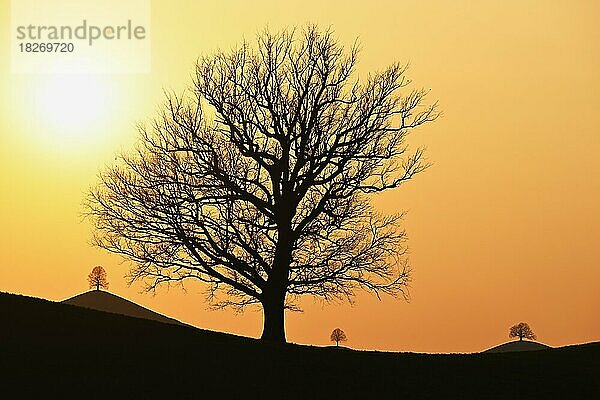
[[269, 199]]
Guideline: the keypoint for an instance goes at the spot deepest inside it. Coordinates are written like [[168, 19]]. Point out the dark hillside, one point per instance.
[[63, 351], [105, 301], [517, 345]]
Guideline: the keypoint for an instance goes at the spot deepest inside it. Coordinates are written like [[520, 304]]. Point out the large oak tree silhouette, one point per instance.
[[258, 182]]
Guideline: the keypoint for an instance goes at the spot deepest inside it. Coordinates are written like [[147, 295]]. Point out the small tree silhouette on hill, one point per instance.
[[338, 336], [521, 330], [97, 278]]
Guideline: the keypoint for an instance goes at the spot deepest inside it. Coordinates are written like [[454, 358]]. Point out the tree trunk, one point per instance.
[[274, 319], [273, 301]]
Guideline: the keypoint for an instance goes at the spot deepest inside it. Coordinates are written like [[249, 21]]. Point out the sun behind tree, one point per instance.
[[522, 331], [338, 336], [97, 278]]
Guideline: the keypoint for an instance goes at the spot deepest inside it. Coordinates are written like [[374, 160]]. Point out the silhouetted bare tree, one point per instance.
[[97, 278], [522, 331], [258, 184], [338, 336]]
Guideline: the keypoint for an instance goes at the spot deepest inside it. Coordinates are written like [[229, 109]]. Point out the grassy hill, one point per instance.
[[517, 345], [59, 350], [104, 301]]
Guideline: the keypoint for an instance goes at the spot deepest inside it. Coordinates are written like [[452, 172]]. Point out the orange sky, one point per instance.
[[502, 228]]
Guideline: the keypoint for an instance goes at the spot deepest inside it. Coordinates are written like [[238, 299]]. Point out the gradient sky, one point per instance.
[[502, 229]]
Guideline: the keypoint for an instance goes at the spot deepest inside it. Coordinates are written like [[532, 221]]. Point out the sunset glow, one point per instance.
[[501, 229], [73, 105]]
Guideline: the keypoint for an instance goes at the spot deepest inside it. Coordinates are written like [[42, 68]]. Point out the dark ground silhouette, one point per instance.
[[63, 351], [519, 345], [105, 301]]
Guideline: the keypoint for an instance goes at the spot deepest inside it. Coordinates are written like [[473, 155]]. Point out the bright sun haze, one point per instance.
[[71, 104], [502, 229]]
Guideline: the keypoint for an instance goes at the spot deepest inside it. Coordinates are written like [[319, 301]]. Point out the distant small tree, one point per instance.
[[338, 336], [522, 331], [97, 278]]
